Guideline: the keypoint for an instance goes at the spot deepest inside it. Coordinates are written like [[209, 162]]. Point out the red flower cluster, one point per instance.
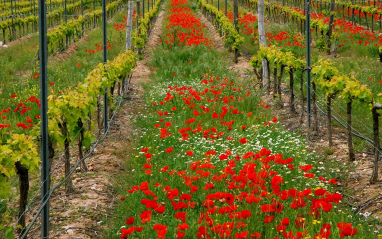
[[99, 47], [24, 108], [248, 24], [183, 27], [122, 25]]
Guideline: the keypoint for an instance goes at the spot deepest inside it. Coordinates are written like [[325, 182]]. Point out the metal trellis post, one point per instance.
[[13, 25], [82, 13], [284, 12], [44, 119], [104, 24], [66, 13], [308, 70], [352, 15], [225, 8]]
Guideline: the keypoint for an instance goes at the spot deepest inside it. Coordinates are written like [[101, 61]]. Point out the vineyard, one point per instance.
[[190, 119]]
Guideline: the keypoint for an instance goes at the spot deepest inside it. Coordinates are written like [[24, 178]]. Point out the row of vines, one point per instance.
[[71, 119]]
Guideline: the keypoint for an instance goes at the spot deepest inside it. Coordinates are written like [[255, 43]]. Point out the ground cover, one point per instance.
[[211, 161]]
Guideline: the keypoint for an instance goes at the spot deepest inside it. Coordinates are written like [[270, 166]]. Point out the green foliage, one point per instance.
[[325, 70], [18, 148], [81, 101], [355, 91], [5, 230], [144, 25], [321, 44], [348, 88], [276, 57]]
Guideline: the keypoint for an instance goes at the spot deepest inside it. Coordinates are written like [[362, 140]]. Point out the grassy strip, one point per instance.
[[189, 156]]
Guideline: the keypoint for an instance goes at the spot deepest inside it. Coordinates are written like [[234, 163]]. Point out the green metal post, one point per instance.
[[104, 24]]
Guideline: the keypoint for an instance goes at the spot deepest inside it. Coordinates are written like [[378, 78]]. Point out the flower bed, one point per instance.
[[213, 163]]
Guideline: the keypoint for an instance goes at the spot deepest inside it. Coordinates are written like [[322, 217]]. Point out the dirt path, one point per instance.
[[81, 214]]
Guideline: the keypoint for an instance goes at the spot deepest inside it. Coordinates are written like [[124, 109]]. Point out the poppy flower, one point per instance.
[[180, 234], [346, 229], [306, 168], [309, 175], [241, 234], [268, 219], [130, 221], [285, 221], [181, 216], [160, 209], [145, 216], [223, 156], [183, 226], [243, 140]]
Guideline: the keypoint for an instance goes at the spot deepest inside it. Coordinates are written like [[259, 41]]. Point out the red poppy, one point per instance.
[[243, 140], [145, 216], [306, 168], [268, 219], [346, 229], [241, 234], [180, 234], [309, 175], [130, 221], [160, 209], [181, 216], [285, 221]]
